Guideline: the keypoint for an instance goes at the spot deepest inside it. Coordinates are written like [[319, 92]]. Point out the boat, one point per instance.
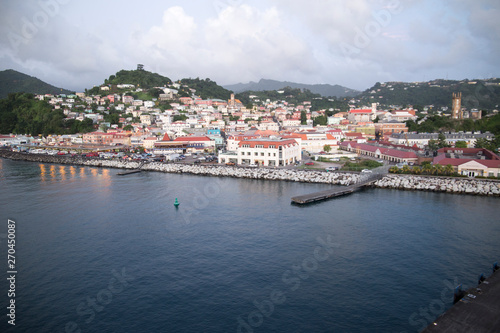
[[128, 172], [176, 202]]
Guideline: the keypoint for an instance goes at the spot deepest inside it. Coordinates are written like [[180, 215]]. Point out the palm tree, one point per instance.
[[437, 169], [448, 169], [426, 168], [416, 170]]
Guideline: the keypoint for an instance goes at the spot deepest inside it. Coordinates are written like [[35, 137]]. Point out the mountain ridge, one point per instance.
[[12, 81], [325, 90]]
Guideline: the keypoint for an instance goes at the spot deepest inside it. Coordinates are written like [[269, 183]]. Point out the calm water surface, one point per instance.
[[97, 252]]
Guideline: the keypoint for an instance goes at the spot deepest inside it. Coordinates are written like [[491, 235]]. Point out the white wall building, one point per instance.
[[268, 152]]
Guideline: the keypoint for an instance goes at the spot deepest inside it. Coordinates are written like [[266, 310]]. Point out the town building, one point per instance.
[[422, 139], [470, 162], [391, 154], [265, 152]]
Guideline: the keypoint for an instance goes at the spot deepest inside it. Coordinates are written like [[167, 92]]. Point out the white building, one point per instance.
[[268, 152]]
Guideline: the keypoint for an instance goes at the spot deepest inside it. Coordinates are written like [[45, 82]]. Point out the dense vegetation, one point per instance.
[[207, 89], [295, 96], [12, 81], [479, 94], [139, 78], [21, 113], [435, 124]]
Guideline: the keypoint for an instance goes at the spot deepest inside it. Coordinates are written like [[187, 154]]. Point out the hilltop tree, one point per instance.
[[303, 117]]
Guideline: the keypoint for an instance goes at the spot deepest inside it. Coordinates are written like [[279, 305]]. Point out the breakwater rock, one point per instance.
[[402, 182], [440, 184]]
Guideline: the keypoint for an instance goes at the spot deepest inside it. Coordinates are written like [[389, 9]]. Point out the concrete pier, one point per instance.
[[478, 311]]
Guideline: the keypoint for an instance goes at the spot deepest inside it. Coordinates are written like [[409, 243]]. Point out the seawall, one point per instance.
[[402, 182]]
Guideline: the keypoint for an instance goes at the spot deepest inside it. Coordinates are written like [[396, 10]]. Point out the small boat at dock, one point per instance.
[[123, 173]]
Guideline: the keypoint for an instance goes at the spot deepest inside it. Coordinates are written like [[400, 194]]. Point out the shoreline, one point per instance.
[[471, 186]]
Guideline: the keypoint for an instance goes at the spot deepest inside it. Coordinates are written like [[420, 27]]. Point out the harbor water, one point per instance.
[[98, 252]]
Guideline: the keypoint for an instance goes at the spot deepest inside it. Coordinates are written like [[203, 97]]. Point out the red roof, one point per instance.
[[460, 161], [166, 137], [361, 111]]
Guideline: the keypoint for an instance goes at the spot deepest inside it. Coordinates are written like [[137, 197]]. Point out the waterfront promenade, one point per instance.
[[478, 311]]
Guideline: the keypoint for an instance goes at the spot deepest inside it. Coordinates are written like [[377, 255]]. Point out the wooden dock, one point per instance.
[[337, 192]]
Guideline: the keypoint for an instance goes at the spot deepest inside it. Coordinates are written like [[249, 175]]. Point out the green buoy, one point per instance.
[[176, 203]]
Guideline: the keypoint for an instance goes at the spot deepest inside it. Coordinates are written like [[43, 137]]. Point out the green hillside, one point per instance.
[[476, 94], [295, 96], [21, 113], [139, 78], [207, 89], [12, 81]]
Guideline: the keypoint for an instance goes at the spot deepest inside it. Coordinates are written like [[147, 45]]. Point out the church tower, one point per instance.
[[456, 111]]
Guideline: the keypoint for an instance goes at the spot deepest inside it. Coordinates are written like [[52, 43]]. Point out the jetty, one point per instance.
[[128, 172], [364, 179]]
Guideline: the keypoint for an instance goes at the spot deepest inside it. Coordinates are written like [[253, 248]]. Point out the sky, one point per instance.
[[355, 43]]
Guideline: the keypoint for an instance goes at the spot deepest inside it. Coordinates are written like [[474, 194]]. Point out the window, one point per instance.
[[272, 146], [256, 154], [261, 154]]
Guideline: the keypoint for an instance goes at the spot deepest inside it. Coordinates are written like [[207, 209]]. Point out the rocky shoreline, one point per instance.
[[402, 182]]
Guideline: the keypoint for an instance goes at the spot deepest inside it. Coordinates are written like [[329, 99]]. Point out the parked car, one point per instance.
[[230, 163], [366, 171], [309, 163], [253, 165], [331, 168]]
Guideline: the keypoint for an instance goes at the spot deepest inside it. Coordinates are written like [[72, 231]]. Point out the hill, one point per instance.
[[22, 113], [207, 88], [139, 78], [476, 94], [295, 96], [325, 90], [12, 81]]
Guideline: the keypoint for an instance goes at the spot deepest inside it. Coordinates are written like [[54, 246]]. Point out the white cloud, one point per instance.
[[235, 41]]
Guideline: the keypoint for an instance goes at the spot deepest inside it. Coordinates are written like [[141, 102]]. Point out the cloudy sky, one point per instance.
[[355, 43]]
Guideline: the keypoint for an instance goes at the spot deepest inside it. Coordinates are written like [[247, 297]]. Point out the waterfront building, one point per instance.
[[264, 152], [422, 139], [196, 143], [470, 162], [396, 155]]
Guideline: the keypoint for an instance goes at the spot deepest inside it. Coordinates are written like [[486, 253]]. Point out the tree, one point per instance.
[[426, 167], [128, 128], [461, 144], [432, 145], [394, 169], [448, 169], [321, 120], [327, 148], [442, 141], [303, 117]]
